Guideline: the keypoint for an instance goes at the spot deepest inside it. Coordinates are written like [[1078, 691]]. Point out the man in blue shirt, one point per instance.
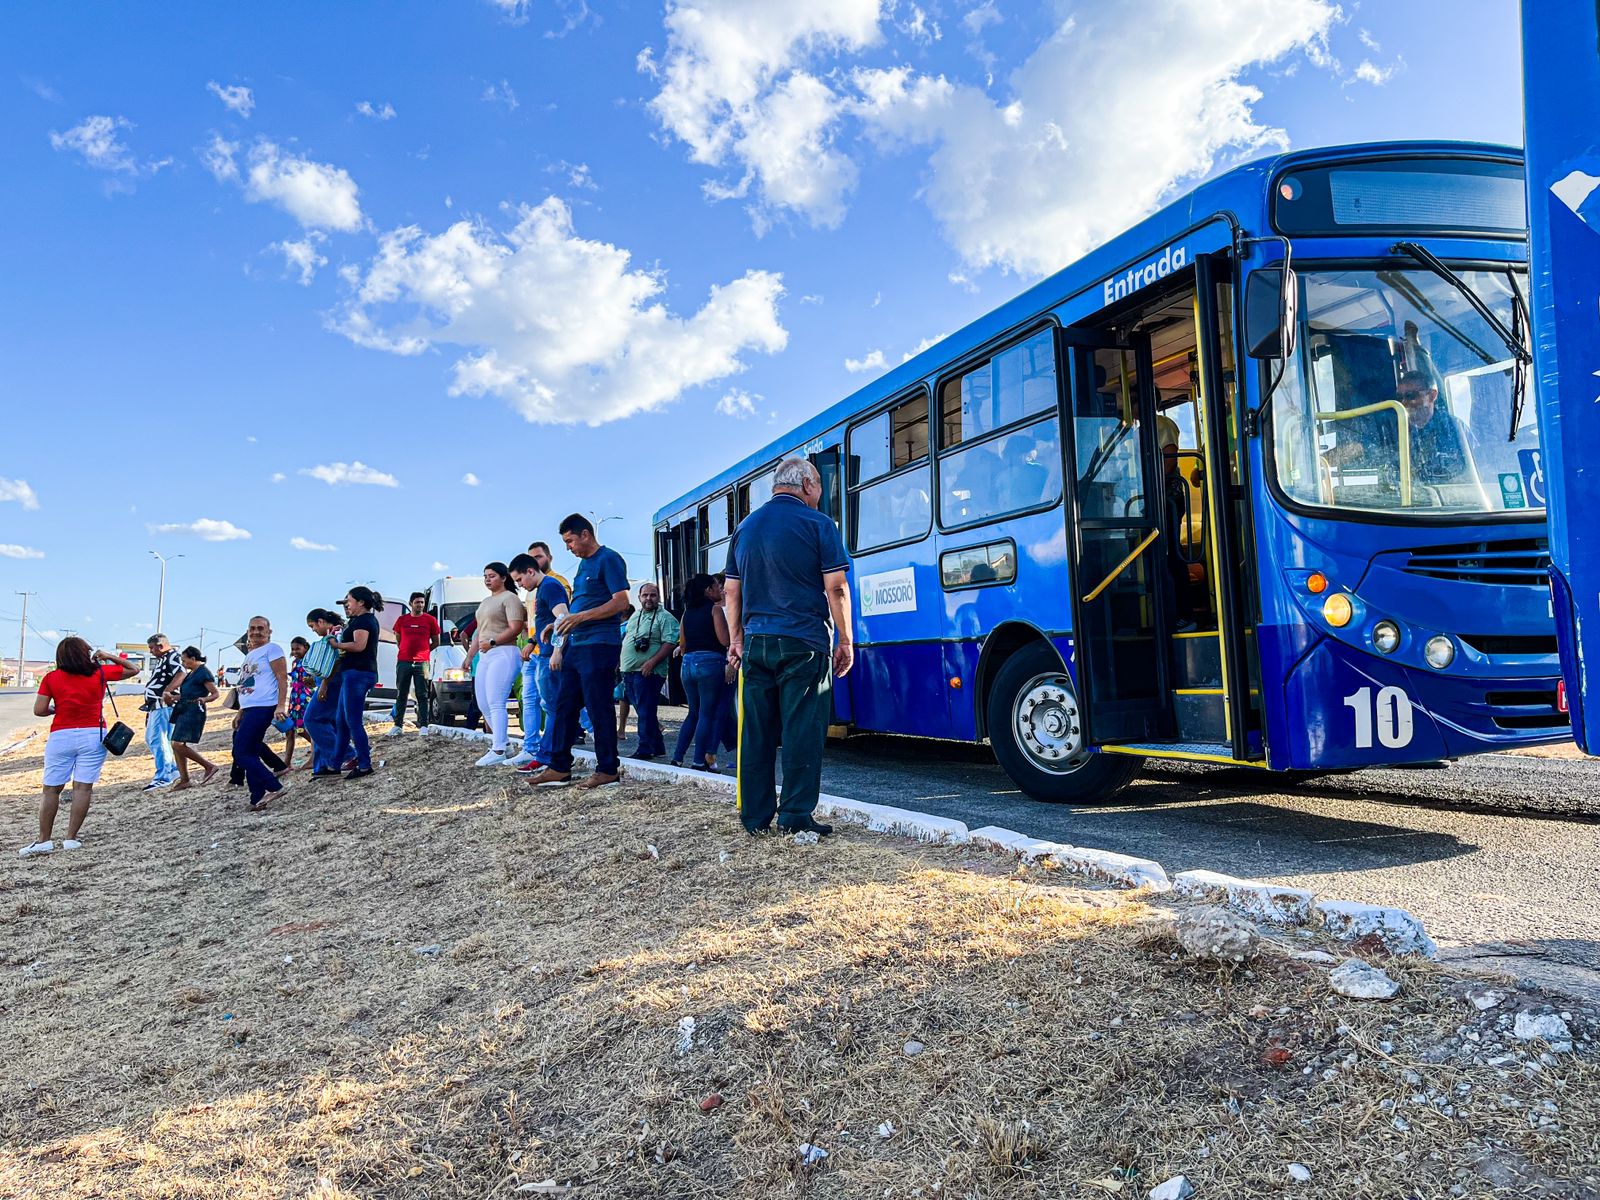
[[587, 645], [786, 578]]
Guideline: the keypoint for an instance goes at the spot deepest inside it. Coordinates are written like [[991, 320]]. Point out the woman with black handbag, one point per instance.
[[75, 694]]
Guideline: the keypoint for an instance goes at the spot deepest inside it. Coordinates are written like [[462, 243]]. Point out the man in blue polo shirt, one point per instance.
[[587, 646], [786, 577]]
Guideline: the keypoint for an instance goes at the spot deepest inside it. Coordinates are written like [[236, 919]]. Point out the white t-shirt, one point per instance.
[[258, 685]]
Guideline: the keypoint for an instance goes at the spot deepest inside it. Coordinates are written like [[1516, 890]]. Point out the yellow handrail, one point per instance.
[[1123, 565], [1403, 419]]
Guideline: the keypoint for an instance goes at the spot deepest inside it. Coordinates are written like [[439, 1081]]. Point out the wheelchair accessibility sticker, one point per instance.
[[1532, 464]]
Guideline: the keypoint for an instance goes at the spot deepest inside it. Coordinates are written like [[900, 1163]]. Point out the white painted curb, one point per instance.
[[19, 743], [1400, 931], [1264, 901]]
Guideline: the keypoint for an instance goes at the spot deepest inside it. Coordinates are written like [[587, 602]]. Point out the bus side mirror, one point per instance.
[[1270, 303]]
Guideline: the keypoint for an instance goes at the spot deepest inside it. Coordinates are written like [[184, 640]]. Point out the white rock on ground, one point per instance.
[[811, 1155], [1400, 931], [685, 1034], [1485, 998], [1215, 933], [1299, 1172], [1543, 1026], [1362, 981], [1264, 901], [1176, 1188]]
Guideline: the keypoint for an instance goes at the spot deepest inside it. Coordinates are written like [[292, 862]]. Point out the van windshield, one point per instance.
[[1399, 398]]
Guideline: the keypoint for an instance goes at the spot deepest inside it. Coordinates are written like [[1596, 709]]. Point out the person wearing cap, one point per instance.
[[166, 674]]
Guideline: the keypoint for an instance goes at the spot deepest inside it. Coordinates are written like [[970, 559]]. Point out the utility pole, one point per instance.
[[22, 640]]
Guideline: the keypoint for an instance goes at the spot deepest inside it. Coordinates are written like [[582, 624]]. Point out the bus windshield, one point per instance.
[[1399, 397]]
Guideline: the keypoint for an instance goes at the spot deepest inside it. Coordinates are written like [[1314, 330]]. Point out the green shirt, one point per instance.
[[659, 627]]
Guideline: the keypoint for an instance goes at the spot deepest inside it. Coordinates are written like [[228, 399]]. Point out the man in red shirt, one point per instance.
[[417, 633]]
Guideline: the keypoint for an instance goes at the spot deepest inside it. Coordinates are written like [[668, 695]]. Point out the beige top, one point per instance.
[[496, 613]]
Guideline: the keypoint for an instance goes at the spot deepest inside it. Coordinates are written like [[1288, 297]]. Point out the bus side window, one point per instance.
[[889, 476]]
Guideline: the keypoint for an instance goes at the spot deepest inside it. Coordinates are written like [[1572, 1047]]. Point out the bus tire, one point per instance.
[[1037, 735]]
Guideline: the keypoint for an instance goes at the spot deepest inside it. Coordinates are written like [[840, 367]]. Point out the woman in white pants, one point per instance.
[[501, 619]]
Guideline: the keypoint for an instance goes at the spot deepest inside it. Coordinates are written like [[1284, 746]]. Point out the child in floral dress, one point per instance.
[[302, 685]]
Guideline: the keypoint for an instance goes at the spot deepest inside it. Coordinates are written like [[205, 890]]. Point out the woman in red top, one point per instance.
[[74, 692]]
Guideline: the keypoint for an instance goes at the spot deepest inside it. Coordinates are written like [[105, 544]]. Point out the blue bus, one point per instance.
[[1257, 482], [1561, 76]]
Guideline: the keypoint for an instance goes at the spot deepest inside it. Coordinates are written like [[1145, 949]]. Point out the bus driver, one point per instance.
[[1438, 455]]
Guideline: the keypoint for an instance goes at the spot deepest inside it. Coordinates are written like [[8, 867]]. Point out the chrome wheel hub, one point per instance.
[[1046, 723]]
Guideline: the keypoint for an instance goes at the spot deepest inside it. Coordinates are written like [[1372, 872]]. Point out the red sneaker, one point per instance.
[[530, 768]]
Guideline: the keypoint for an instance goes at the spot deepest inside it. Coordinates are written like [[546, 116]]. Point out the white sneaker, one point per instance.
[[492, 759], [395, 732], [523, 757], [72, 844], [36, 849]]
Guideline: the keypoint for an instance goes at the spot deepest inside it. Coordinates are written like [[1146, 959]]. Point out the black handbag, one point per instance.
[[119, 737]]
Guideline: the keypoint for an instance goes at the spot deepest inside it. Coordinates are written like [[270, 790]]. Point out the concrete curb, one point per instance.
[[19, 743], [1400, 931]]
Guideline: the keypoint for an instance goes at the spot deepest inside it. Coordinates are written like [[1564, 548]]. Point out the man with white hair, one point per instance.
[[786, 578]]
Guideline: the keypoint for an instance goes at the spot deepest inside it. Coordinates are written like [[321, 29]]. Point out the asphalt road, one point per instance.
[[1499, 855]]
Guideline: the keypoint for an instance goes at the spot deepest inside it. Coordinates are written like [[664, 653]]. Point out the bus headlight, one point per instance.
[[1337, 610], [1386, 637], [1440, 652]]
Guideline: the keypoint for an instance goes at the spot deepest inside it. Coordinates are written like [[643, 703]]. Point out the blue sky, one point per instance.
[[306, 272]]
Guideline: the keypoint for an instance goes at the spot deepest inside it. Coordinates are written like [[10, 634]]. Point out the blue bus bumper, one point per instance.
[[1361, 710]]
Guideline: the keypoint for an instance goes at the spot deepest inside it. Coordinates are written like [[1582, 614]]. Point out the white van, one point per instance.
[[453, 601]]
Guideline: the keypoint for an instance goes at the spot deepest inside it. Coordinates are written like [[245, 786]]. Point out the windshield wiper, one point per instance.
[[1514, 338], [1521, 322]]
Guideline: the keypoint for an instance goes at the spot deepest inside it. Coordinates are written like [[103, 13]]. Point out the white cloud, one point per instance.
[[18, 490], [1031, 183], [12, 550], [872, 361], [577, 174], [318, 195], [42, 89], [303, 256], [439, 566], [984, 14], [205, 529], [734, 91], [470, 479], [95, 140], [515, 11], [300, 543], [278, 477], [1370, 72], [1370, 42], [345, 473], [501, 93], [737, 404], [558, 326], [925, 344], [240, 99], [918, 27], [378, 112]]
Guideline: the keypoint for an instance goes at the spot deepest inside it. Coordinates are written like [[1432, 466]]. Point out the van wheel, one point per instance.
[[1037, 733]]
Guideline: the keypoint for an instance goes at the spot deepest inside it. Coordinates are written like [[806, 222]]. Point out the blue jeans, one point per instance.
[[158, 736], [707, 691], [350, 726], [249, 737], [320, 722], [544, 682], [533, 707], [586, 679], [644, 693]]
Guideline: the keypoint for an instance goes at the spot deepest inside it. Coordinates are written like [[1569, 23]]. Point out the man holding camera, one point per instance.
[[647, 644], [166, 671]]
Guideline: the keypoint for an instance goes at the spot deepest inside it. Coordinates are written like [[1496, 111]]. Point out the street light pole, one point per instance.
[[161, 596]]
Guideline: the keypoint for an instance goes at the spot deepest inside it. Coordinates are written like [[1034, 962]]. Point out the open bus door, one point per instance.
[[1114, 532], [1561, 78]]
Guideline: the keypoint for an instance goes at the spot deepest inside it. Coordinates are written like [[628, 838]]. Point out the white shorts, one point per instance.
[[73, 755]]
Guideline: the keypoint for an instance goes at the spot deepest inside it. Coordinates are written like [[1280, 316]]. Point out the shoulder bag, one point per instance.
[[119, 736]]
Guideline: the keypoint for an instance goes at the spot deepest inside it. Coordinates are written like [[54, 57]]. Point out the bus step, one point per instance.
[[1198, 660], [1200, 715]]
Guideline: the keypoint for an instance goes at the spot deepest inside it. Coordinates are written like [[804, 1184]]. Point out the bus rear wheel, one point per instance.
[[1036, 732]]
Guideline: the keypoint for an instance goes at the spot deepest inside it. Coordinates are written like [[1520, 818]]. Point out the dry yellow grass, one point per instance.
[[439, 984]]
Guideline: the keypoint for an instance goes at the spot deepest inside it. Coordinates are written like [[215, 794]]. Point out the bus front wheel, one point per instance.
[[1036, 731]]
